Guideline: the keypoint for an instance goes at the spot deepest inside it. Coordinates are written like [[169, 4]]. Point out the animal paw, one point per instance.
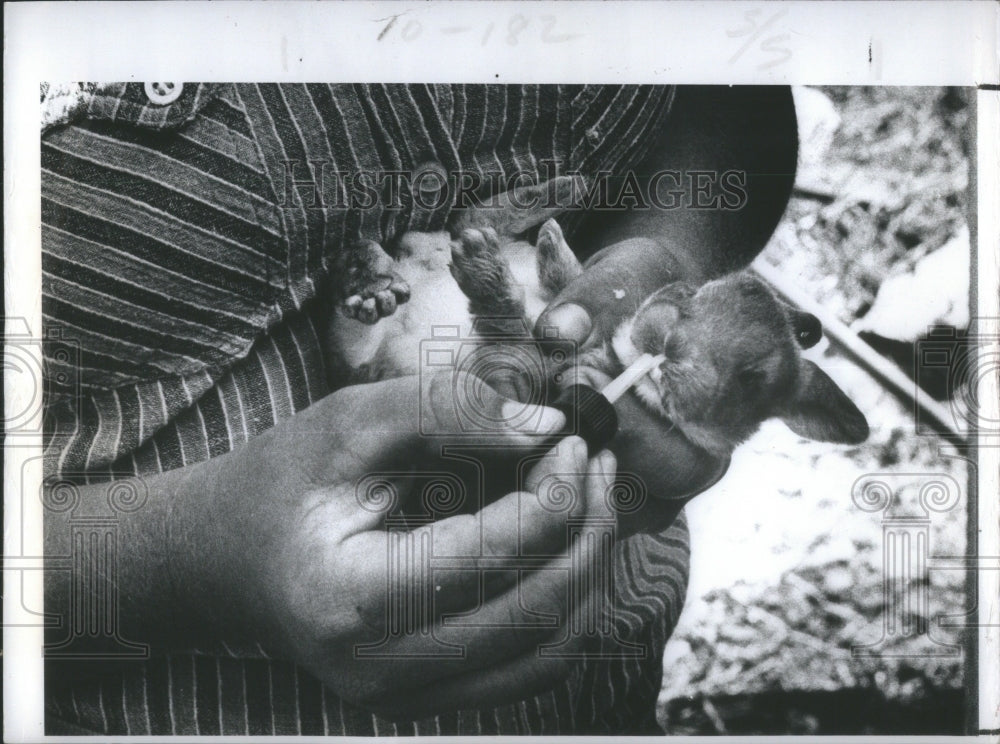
[[476, 244], [483, 275], [550, 236], [557, 264], [372, 290], [476, 261]]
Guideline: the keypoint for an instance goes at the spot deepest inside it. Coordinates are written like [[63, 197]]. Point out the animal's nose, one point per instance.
[[808, 330]]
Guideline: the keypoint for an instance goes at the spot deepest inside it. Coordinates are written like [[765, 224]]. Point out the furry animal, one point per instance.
[[732, 349], [482, 269], [732, 362]]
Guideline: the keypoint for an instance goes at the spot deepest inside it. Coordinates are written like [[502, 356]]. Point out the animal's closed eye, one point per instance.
[[672, 347], [750, 378]]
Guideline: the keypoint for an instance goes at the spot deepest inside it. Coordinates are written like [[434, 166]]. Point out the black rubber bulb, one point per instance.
[[588, 415]]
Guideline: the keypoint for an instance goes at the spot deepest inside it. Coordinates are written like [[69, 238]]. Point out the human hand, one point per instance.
[[302, 562], [586, 314]]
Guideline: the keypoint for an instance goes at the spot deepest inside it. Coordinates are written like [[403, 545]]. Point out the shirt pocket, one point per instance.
[[147, 105], [162, 253]]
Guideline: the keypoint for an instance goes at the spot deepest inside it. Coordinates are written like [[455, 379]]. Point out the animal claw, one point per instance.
[[385, 302], [401, 290], [368, 312], [477, 241], [549, 235], [373, 289]]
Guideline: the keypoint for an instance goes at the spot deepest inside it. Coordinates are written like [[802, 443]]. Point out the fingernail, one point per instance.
[[579, 452], [530, 418], [572, 321]]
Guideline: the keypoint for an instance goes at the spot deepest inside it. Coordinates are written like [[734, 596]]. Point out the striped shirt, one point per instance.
[[184, 256]]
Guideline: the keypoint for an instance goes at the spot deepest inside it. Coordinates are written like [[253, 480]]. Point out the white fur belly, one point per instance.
[[391, 347], [436, 302]]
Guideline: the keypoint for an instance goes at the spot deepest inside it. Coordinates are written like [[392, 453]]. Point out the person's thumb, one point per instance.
[[567, 321]]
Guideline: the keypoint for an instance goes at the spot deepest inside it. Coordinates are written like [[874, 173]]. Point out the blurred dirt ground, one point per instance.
[[799, 618]]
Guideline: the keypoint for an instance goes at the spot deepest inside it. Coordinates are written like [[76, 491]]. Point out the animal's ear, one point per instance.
[[557, 264], [820, 410], [516, 211]]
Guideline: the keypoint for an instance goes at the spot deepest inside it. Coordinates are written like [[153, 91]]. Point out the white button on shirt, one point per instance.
[[163, 94]]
